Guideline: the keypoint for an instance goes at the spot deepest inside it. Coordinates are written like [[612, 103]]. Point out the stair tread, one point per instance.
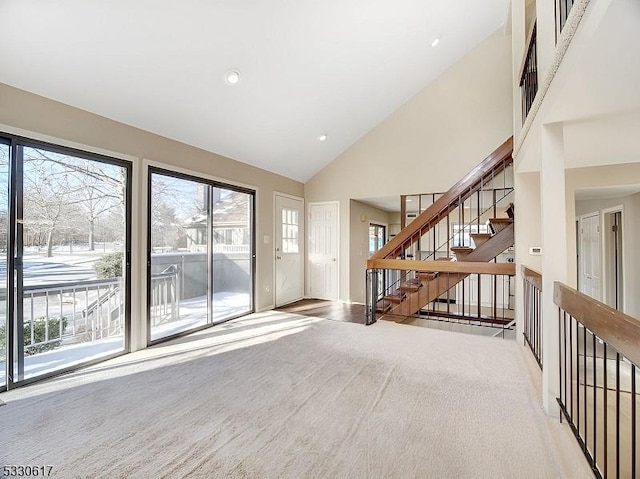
[[383, 306], [395, 297], [480, 238], [501, 220], [411, 285]]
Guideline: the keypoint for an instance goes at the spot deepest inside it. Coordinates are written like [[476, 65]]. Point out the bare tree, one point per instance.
[[55, 185]]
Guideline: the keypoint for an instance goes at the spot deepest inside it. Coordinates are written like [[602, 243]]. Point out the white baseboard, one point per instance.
[[266, 308]]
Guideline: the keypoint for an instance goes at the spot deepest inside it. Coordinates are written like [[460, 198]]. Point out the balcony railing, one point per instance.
[[563, 8], [533, 312], [529, 77], [599, 355]]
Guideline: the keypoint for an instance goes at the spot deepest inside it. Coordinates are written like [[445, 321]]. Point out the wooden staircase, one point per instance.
[[415, 294], [426, 281]]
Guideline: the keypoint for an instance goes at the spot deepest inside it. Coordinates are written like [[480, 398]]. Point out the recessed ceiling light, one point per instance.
[[232, 77], [435, 42], [322, 137]]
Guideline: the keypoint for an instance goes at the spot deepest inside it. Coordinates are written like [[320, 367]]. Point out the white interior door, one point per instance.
[[289, 249], [590, 256], [323, 251]]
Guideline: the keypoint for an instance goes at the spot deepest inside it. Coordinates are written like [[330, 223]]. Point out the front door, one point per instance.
[[289, 249]]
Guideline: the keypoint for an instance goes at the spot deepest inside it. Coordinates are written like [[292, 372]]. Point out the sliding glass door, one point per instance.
[[67, 298], [4, 217], [201, 253], [232, 238], [179, 242]]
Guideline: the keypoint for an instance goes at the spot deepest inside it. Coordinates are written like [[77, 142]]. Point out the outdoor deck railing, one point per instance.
[[83, 311], [533, 312], [70, 313], [599, 358], [165, 296]]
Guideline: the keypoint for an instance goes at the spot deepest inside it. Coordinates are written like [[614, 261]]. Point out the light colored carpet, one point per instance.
[[278, 395]]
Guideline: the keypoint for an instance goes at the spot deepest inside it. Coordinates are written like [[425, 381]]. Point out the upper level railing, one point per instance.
[[472, 185], [563, 8], [529, 76], [532, 295], [599, 354]]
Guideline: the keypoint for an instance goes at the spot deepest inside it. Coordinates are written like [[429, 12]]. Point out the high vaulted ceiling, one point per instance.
[[308, 67]]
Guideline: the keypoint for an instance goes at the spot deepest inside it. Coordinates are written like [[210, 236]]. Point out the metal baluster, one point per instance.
[[560, 338], [73, 307], [606, 410], [60, 324], [633, 422], [617, 414], [578, 376], [571, 364], [584, 362], [595, 403], [46, 317], [98, 320], [369, 299], [86, 309]]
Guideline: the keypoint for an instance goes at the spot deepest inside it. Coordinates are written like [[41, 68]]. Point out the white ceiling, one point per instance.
[[307, 67]]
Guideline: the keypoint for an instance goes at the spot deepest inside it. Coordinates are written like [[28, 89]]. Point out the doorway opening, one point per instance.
[[377, 239]]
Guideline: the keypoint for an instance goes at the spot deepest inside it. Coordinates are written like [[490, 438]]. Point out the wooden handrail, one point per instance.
[[615, 328], [467, 267], [443, 205], [532, 276]]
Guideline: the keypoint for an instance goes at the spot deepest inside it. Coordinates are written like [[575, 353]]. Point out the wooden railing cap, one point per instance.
[[614, 327], [469, 267]]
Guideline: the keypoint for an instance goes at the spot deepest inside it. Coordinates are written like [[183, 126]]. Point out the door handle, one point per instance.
[[333, 259], [278, 257]]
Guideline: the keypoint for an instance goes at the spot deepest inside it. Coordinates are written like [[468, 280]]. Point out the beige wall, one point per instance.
[[427, 144], [34, 116], [528, 214], [361, 216]]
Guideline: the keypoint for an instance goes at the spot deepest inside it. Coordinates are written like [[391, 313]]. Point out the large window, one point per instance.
[[201, 251], [67, 216]]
